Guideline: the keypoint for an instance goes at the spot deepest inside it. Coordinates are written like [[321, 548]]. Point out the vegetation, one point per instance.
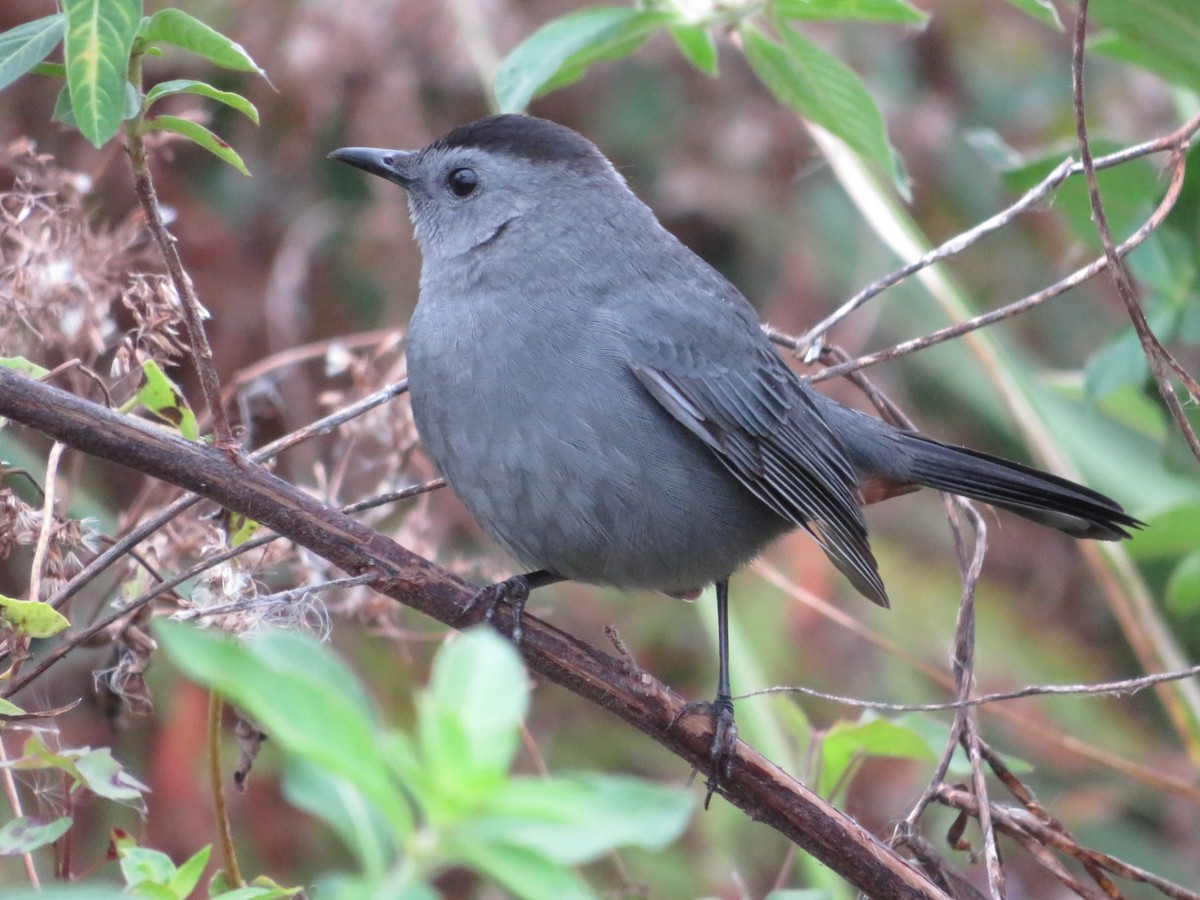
[[1030, 164]]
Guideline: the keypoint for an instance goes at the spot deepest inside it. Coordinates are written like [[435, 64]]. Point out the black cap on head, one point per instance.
[[525, 137]]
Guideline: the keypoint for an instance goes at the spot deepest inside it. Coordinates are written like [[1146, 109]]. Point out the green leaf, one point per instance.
[[871, 736], [303, 696], [163, 399], [823, 89], [105, 777], [99, 39], [470, 717], [197, 133], [576, 819], [187, 876], [62, 108], [897, 11], [177, 28], [340, 805], [1042, 10], [696, 43], [25, 834], [560, 52], [1160, 36], [189, 86], [8, 708], [53, 70], [1169, 533], [31, 618], [525, 873], [25, 46], [143, 866], [22, 366], [1183, 587]]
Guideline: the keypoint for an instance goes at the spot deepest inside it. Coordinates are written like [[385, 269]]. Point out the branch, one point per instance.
[[755, 785]]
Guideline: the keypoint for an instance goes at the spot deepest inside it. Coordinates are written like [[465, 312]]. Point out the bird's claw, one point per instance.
[[514, 591], [724, 744]]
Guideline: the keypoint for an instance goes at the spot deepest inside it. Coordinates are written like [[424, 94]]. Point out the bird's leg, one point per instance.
[[724, 745], [514, 591]]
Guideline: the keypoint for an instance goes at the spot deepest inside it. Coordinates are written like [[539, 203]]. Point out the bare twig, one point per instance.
[[1157, 356], [193, 313], [807, 343]]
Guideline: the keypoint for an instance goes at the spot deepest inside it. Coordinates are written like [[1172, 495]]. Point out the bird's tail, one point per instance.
[[1040, 496]]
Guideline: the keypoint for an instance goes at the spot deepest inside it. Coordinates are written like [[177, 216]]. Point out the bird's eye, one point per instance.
[[462, 182]]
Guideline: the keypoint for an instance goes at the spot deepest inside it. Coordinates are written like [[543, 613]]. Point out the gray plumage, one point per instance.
[[605, 404]]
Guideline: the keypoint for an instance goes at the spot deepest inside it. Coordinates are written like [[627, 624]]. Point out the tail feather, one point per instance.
[[1036, 495]]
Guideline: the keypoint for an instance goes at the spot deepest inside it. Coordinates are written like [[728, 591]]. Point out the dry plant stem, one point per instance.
[[1156, 354], [1021, 823], [84, 635], [761, 789], [193, 313], [149, 526], [1060, 287], [233, 873], [1125, 687], [1174, 141], [1154, 778], [949, 879], [47, 527], [14, 802]]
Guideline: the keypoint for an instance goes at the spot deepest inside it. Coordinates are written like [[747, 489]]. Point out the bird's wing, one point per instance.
[[760, 421]]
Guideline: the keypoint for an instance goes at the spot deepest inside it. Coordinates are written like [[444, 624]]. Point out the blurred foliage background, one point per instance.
[[306, 251]]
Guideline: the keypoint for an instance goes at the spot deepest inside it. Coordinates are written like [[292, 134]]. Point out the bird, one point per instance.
[[607, 407]]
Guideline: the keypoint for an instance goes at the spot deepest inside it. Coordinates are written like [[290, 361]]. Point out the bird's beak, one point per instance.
[[394, 165]]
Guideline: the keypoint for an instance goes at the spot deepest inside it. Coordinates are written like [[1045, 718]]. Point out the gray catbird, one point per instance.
[[607, 407]]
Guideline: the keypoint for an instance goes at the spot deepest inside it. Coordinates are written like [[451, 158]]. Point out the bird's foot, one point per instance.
[[725, 736], [514, 591]]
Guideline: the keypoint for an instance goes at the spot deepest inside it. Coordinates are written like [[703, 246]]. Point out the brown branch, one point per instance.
[[754, 784], [1157, 356]]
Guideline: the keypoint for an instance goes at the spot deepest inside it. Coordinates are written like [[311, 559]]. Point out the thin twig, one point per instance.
[[193, 313], [47, 524], [1156, 354], [806, 343]]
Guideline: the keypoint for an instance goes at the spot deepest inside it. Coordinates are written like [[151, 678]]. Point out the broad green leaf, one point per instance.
[[576, 819], [25, 834], [23, 366], [189, 86], [141, 865], [303, 696], [871, 736], [25, 46], [62, 108], [196, 132], [525, 873], [696, 43], [1160, 36], [471, 714], [8, 708], [561, 51], [162, 398], [179, 29], [823, 89], [98, 42], [187, 876], [1183, 587], [1169, 533], [31, 618], [105, 777], [1042, 10], [341, 806], [1122, 362], [897, 11]]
